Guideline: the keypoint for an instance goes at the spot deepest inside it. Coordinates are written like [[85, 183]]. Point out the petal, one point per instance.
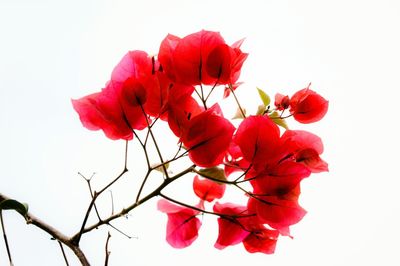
[[279, 212], [306, 148], [158, 87], [131, 96], [102, 111], [307, 106], [280, 179], [166, 53], [236, 65], [135, 64], [181, 108], [263, 240], [257, 137], [207, 189], [218, 63], [182, 225], [191, 54], [230, 231], [207, 138]]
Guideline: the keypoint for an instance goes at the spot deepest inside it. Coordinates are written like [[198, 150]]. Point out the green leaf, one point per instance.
[[264, 97], [278, 120], [10, 204], [213, 172]]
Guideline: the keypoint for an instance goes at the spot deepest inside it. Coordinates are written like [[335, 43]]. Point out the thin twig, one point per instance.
[[5, 238], [142, 185], [155, 143], [77, 237], [212, 89], [237, 101], [63, 252], [107, 251], [112, 202], [88, 180], [204, 211], [149, 196], [143, 145], [119, 231]]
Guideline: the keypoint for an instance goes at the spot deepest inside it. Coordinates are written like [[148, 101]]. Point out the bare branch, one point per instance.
[[63, 252], [32, 219], [107, 252], [5, 237]]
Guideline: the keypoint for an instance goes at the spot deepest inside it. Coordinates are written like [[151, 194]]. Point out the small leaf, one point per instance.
[[278, 120], [10, 204], [264, 97], [213, 172], [261, 109], [160, 168], [239, 114]]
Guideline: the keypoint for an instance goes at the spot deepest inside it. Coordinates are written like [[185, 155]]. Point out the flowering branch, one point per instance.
[[269, 159]]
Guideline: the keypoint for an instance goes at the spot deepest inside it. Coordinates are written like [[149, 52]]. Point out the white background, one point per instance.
[[52, 51]]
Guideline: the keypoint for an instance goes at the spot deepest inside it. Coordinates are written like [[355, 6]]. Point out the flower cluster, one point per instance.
[[267, 164]]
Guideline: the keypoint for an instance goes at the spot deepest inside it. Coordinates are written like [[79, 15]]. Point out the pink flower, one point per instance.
[[258, 138], [207, 189], [307, 106], [182, 226], [306, 148], [201, 58], [237, 225], [281, 101], [278, 211], [118, 108], [207, 137], [102, 110]]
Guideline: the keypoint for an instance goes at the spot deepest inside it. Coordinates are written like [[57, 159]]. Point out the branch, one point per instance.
[[107, 251], [5, 237], [32, 219], [237, 101], [63, 252], [77, 238], [154, 193]]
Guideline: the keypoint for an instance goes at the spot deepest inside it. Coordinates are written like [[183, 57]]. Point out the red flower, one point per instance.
[[135, 64], [278, 211], [182, 226], [306, 148], [131, 96], [278, 179], [234, 160], [102, 111], [231, 231], [258, 138], [237, 225], [201, 57], [129, 80], [181, 108], [118, 108], [207, 189], [307, 106], [158, 88], [207, 137], [262, 240], [166, 54], [281, 101]]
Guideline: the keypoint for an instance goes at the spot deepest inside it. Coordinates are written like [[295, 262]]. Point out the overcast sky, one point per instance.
[[52, 51]]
